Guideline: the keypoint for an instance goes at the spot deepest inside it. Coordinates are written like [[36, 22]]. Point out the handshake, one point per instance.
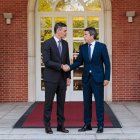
[[65, 67]]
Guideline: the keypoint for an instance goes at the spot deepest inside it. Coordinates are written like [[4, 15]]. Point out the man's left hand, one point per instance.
[[68, 82]]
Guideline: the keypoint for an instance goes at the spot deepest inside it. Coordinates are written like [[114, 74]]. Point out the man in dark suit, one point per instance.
[[55, 53], [96, 75]]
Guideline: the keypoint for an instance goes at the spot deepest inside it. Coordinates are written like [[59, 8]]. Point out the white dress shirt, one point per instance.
[[92, 47], [57, 42]]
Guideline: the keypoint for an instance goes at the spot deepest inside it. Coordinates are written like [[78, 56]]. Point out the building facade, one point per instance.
[[32, 22]]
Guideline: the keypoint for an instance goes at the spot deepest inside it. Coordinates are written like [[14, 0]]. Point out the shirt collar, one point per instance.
[[56, 39], [93, 43]]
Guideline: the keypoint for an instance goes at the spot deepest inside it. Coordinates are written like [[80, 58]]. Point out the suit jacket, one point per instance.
[[99, 63], [52, 60]]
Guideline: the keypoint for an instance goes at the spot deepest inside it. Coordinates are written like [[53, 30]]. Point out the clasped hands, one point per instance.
[[65, 67]]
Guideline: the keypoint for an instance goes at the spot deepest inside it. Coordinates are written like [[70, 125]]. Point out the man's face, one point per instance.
[[87, 37], [62, 32]]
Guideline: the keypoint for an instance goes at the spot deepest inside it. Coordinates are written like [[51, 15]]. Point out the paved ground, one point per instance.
[[127, 113]]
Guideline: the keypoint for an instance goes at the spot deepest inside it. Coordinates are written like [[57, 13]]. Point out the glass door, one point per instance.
[[75, 37], [45, 31], [77, 14], [78, 23]]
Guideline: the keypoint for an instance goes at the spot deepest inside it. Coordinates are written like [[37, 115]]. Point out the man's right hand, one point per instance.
[[65, 68]]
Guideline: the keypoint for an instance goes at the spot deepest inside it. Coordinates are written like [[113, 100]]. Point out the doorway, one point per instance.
[[77, 15], [105, 36]]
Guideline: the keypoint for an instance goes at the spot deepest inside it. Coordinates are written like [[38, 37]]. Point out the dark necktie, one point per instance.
[[89, 51], [59, 47]]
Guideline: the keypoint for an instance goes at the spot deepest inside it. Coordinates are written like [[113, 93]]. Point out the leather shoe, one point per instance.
[[100, 129], [85, 128], [48, 130], [62, 129]]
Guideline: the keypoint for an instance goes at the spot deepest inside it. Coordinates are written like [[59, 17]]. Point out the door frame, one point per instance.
[[71, 95], [31, 10]]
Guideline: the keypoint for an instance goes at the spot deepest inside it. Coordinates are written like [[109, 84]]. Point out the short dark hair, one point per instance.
[[59, 25], [92, 31]]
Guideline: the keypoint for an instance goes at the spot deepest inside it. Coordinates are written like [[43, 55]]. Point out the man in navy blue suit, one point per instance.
[[96, 74]]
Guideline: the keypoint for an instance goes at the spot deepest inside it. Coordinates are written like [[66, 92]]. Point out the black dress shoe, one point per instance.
[[48, 130], [85, 128], [62, 129], [100, 129]]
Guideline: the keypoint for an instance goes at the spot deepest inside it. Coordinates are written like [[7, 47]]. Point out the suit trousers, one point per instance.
[[98, 90], [58, 88]]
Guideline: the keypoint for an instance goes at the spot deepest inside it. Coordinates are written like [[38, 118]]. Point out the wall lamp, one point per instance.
[[130, 15], [8, 17]]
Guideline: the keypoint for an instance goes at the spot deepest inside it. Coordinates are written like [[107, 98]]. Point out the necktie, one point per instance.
[[89, 51], [59, 47]]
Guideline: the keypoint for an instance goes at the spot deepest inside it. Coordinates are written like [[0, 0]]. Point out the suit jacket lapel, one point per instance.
[[86, 51], [62, 52], [54, 44], [94, 51]]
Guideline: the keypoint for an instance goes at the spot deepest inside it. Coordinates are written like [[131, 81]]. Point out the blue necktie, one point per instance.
[[59, 47], [89, 51]]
